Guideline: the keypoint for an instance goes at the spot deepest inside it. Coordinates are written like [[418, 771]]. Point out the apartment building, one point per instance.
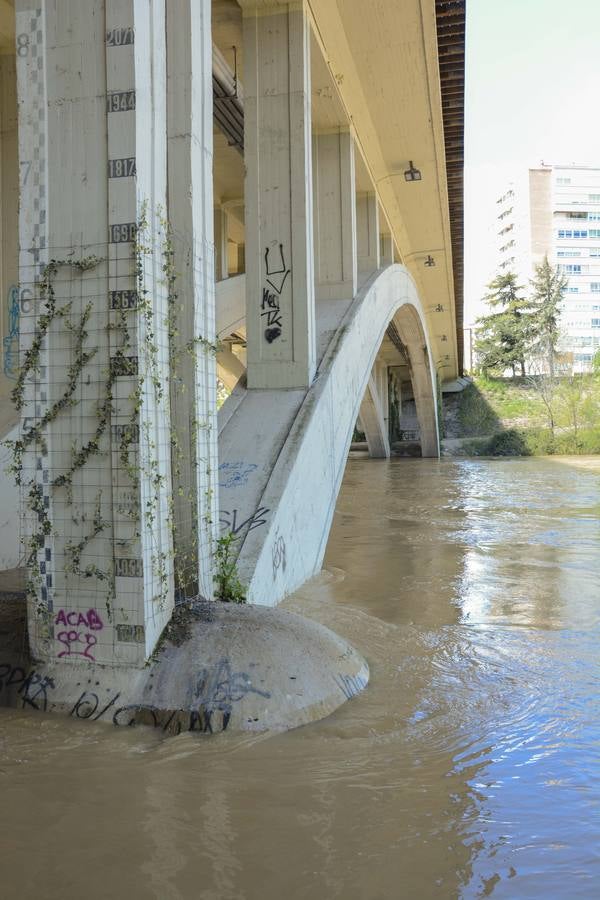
[[564, 208]]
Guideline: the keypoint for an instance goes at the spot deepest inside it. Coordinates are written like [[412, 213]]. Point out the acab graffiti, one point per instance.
[[78, 638]]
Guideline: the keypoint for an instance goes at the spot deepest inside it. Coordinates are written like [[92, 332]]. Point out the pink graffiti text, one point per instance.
[[78, 642]]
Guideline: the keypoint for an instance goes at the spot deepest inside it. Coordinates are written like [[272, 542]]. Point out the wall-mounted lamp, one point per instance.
[[412, 174], [443, 337], [430, 261], [439, 308]]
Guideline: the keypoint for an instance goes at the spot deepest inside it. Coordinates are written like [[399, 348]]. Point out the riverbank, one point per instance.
[[525, 417]]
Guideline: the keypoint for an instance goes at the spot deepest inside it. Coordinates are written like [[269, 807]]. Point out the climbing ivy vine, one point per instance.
[[139, 427]]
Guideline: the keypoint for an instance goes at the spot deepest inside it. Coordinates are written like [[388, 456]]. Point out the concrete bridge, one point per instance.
[[269, 192]]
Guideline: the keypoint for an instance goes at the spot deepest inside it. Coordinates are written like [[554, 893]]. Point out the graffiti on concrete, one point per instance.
[[215, 690], [276, 273], [278, 554], [235, 474], [218, 688], [31, 687], [351, 685], [10, 344], [78, 639], [232, 520]]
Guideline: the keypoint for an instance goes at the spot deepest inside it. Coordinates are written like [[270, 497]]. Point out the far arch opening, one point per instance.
[[398, 413]]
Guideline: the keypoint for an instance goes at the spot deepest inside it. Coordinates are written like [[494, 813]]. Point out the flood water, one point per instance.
[[468, 768]]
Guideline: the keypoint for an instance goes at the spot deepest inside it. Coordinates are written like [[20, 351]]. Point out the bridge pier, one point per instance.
[[193, 367], [280, 294], [367, 229], [115, 298], [334, 193], [107, 335], [373, 413]]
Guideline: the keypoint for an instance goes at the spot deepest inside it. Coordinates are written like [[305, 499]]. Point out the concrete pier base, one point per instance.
[[219, 667]]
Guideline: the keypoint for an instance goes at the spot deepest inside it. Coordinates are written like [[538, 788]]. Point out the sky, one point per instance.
[[532, 93]]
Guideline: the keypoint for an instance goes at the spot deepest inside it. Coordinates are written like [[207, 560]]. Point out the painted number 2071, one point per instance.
[[118, 37]]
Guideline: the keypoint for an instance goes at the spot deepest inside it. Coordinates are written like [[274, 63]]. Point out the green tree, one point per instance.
[[549, 286], [503, 337]]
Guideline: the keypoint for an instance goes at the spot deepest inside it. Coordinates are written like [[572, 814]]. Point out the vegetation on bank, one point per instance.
[[521, 331], [531, 416]]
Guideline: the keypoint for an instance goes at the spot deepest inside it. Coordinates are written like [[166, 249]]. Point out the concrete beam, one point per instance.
[[278, 192]]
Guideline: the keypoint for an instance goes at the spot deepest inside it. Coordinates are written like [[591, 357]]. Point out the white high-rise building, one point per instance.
[[564, 203]]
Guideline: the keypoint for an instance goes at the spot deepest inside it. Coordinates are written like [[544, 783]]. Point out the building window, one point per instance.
[[595, 287], [583, 357], [595, 323], [574, 233], [594, 198], [573, 290], [594, 217], [573, 269], [594, 232], [594, 251], [567, 252], [563, 181]]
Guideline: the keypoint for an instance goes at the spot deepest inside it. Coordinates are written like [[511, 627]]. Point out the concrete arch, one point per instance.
[[301, 488]]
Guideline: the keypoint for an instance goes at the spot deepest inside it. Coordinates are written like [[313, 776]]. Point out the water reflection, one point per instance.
[[469, 767]]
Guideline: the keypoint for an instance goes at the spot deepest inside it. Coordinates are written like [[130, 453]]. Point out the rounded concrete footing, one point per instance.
[[219, 667]]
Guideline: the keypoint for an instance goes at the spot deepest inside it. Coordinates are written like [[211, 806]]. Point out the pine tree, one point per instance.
[[549, 287], [503, 337]]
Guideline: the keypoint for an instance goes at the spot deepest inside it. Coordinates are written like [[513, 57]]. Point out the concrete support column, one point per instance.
[[231, 368], [194, 377], [10, 309], [221, 243], [373, 415], [386, 250], [95, 405], [334, 216], [367, 228], [279, 232]]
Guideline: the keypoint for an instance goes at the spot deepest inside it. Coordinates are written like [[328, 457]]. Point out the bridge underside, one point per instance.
[[251, 188]]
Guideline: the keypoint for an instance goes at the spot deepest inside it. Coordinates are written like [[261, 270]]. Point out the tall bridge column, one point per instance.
[[221, 246], [93, 390], [280, 312], [193, 375], [374, 413], [367, 227], [335, 216]]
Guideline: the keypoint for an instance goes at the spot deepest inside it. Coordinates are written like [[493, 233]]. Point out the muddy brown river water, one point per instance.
[[470, 767]]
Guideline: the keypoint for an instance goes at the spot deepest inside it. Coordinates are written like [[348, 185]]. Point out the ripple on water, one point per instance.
[[468, 768]]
